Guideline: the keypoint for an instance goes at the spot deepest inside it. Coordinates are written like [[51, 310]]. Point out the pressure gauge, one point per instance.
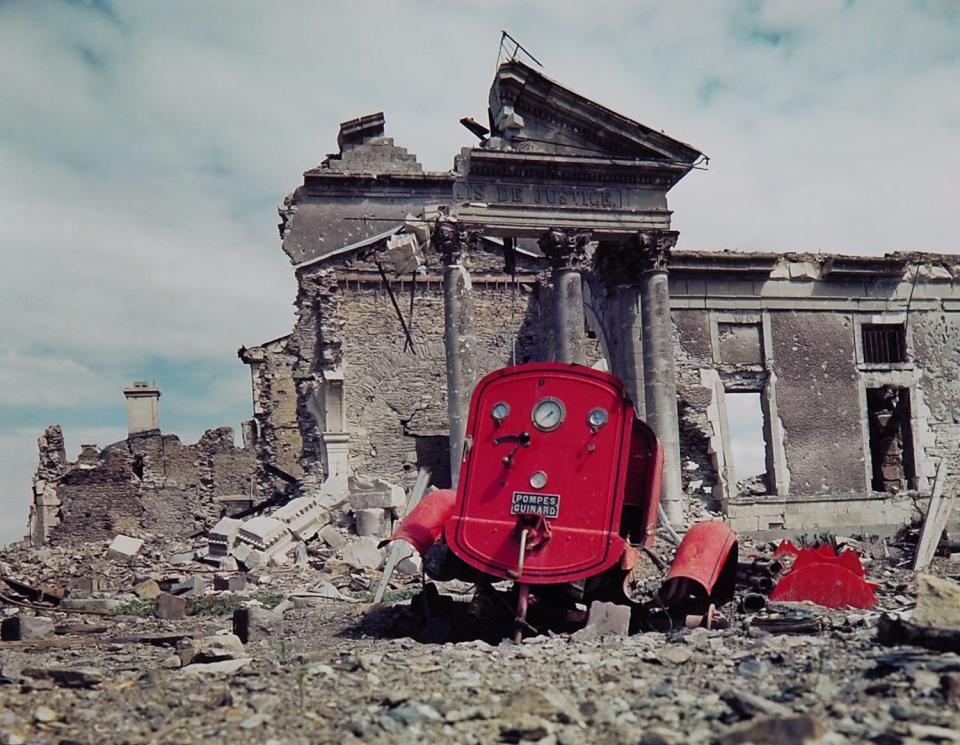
[[538, 479], [598, 417], [548, 414], [499, 412]]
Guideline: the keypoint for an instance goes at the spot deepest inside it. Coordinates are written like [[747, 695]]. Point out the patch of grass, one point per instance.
[[214, 605], [225, 605], [138, 608]]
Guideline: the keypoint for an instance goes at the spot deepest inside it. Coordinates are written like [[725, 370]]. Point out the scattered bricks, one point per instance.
[[254, 624], [26, 628], [332, 537], [124, 548], [195, 587], [609, 618], [147, 590], [231, 584], [170, 607], [367, 494], [363, 554], [373, 522]]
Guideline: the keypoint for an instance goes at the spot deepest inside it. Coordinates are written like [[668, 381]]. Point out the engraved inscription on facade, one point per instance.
[[540, 196]]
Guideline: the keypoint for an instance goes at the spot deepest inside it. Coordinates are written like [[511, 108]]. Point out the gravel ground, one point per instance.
[[337, 672]]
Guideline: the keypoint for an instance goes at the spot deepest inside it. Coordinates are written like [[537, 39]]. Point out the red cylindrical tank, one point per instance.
[[423, 525]]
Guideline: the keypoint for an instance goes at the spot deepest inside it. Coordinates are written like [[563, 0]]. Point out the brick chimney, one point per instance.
[[143, 407]]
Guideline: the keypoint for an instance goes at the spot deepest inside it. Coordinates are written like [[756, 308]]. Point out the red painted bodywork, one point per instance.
[[824, 577], [607, 479]]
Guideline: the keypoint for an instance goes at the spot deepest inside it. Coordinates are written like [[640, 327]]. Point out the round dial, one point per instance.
[[598, 417], [548, 414], [538, 480], [500, 411]]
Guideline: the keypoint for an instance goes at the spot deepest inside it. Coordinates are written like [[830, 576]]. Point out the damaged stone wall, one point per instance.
[[276, 433], [149, 481], [936, 350], [394, 399]]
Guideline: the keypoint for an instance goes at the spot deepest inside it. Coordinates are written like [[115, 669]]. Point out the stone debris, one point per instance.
[[170, 607], [363, 554], [148, 589], [252, 624], [124, 548], [24, 627], [938, 603]]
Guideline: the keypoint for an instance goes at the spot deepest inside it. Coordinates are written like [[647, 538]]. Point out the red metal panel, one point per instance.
[[586, 469]]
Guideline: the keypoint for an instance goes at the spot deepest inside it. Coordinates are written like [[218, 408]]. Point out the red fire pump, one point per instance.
[[559, 486]]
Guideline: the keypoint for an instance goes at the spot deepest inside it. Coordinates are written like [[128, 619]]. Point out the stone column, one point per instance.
[[659, 377], [566, 251], [458, 337]]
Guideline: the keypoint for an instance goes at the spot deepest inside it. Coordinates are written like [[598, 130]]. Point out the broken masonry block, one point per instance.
[[194, 587], [363, 554], [124, 548], [332, 537], [231, 584], [367, 494], [938, 603], [170, 607], [147, 590], [254, 624], [223, 535], [26, 628], [609, 618], [372, 522]]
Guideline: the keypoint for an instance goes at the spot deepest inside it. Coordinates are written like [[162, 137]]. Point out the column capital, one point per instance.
[[566, 249], [451, 239], [653, 249], [624, 262]]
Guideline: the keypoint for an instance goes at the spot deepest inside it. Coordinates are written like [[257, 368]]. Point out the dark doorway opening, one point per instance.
[[891, 439]]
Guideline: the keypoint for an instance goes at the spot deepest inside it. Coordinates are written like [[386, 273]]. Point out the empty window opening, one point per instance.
[[891, 440], [884, 343], [748, 443]]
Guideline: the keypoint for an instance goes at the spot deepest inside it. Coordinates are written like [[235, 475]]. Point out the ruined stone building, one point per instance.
[[150, 481], [854, 360], [550, 240]]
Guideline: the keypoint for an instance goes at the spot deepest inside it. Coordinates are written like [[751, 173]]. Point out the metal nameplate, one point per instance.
[[531, 503]]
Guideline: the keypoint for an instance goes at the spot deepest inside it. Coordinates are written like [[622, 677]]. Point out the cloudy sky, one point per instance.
[[144, 147]]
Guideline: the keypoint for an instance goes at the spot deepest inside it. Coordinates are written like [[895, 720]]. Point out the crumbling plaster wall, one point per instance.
[[818, 399], [936, 350]]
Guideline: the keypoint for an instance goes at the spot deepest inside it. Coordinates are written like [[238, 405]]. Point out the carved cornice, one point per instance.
[[566, 249]]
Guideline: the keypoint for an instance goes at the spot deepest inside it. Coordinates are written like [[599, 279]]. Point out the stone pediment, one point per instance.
[[557, 160], [531, 112]]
